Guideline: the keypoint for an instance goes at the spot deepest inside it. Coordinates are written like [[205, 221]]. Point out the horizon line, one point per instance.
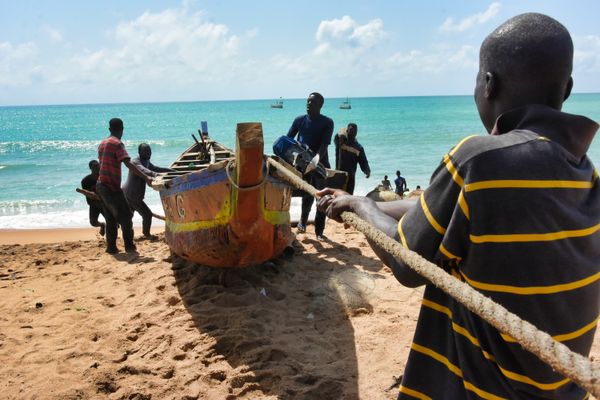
[[230, 100]]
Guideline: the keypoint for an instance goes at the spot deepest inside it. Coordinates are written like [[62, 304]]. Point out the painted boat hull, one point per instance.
[[211, 221]]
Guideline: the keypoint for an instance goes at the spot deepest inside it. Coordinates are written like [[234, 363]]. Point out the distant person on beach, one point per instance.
[[513, 214], [400, 183], [111, 154], [349, 153], [314, 130], [387, 185], [135, 186], [96, 207]]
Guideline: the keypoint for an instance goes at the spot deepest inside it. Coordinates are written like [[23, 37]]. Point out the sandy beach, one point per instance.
[[76, 323]]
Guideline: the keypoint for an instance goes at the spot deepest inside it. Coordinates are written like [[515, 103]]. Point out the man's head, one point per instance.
[[94, 167], [352, 131], [385, 177], [314, 103], [115, 126], [144, 151], [397, 173], [526, 60]]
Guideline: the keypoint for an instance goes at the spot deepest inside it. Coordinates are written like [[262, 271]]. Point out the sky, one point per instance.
[[81, 52]]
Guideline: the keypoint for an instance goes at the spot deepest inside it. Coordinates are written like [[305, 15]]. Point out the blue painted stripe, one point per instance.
[[194, 181]]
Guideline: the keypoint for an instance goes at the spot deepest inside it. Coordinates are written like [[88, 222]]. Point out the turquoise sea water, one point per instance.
[[44, 150]]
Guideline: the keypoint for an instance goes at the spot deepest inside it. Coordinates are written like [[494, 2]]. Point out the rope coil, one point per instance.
[[578, 368]]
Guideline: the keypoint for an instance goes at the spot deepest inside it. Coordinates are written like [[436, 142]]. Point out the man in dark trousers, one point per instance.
[[111, 153], [96, 208], [349, 153], [514, 214], [135, 186], [314, 130]]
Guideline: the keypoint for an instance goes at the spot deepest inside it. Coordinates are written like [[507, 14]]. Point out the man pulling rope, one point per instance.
[[515, 215]]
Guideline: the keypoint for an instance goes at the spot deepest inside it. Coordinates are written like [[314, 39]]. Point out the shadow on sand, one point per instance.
[[283, 326]]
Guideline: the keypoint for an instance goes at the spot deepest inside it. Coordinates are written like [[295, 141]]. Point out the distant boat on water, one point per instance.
[[346, 105], [277, 104]]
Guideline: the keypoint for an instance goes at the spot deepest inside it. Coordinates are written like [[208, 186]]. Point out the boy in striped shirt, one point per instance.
[[515, 214]]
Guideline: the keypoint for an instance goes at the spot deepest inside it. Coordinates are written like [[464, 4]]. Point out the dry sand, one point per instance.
[[77, 323]]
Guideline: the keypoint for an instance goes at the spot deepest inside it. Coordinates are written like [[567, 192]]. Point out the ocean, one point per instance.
[[45, 150]]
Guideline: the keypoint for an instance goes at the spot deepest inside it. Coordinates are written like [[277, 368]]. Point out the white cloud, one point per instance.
[[18, 64], [54, 34], [587, 53], [467, 23], [347, 32], [172, 47], [441, 60]]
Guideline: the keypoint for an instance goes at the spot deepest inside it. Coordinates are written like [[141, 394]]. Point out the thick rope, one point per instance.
[[578, 368], [243, 188]]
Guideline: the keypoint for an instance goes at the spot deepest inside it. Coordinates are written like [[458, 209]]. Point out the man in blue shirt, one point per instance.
[[315, 131], [400, 183]]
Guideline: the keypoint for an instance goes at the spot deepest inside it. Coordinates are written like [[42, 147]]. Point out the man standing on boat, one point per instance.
[[349, 153], [111, 153], [314, 130], [135, 186]]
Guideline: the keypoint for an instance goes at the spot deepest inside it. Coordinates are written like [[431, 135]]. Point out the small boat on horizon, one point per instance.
[[224, 208], [346, 105], [277, 104]]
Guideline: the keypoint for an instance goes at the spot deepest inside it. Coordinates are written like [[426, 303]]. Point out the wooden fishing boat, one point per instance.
[[224, 208]]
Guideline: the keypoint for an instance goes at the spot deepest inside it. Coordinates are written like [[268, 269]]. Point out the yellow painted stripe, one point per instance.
[[564, 336], [448, 254], [462, 203], [440, 229], [528, 184], [276, 217], [414, 393], [453, 171], [525, 379], [529, 290], [534, 237], [509, 374], [455, 149], [454, 369], [221, 218], [401, 233]]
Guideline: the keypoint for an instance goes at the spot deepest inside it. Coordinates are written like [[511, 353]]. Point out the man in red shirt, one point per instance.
[[111, 154]]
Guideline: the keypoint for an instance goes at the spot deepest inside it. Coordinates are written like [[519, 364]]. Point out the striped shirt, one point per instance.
[[517, 217], [111, 153]]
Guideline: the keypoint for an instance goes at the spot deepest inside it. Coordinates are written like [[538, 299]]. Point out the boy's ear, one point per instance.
[[491, 86], [569, 88]]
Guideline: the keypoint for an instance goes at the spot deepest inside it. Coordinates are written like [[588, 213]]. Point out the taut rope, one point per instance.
[[578, 368]]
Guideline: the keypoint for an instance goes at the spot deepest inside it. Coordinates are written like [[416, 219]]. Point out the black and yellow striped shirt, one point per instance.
[[517, 217]]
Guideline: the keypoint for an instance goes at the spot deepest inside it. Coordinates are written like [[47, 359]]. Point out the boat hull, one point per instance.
[[223, 216]]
